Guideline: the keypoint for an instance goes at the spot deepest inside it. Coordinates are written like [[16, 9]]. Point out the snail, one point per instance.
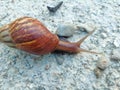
[[30, 35]]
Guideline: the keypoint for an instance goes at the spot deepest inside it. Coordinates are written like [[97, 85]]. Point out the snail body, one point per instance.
[[30, 35]]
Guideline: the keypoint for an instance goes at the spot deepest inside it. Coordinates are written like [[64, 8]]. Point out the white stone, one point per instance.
[[103, 62], [117, 42], [104, 35], [115, 54], [66, 29], [87, 26]]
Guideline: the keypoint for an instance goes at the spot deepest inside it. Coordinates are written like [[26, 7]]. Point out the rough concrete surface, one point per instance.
[[22, 71]]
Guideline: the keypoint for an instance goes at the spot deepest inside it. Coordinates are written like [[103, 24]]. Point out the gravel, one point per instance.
[[66, 30], [23, 71], [103, 63], [115, 54]]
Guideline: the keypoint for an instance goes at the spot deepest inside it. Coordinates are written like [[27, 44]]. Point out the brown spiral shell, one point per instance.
[[32, 36]]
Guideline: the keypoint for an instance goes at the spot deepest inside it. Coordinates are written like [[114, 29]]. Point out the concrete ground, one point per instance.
[[23, 71]]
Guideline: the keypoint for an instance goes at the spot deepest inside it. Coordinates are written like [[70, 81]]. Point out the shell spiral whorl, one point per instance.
[[30, 35], [5, 37]]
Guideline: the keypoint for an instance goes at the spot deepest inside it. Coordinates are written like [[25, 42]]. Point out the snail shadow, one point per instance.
[[61, 56], [56, 57]]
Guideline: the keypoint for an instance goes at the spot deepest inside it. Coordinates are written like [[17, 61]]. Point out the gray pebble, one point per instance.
[[104, 35], [66, 30], [70, 29], [59, 60], [98, 72], [88, 27], [47, 66], [117, 42], [115, 54], [103, 63], [55, 8]]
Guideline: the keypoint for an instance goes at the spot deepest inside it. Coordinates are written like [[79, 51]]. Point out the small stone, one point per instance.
[[59, 60], [88, 27], [55, 8], [103, 63], [115, 54], [97, 72], [66, 30], [47, 67], [104, 35], [117, 42]]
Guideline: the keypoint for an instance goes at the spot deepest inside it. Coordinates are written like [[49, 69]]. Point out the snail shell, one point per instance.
[[30, 35]]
